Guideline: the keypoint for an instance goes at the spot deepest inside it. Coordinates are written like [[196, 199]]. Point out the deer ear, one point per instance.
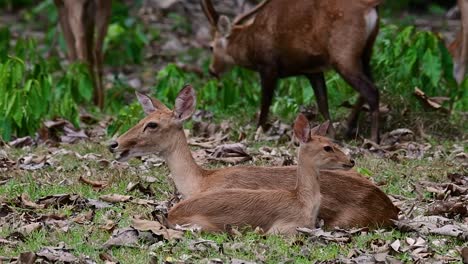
[[302, 128], [185, 103], [224, 25], [146, 103], [150, 104], [321, 130]]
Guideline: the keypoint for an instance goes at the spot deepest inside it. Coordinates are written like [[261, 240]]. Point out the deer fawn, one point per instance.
[[274, 211], [78, 20], [348, 199], [283, 38]]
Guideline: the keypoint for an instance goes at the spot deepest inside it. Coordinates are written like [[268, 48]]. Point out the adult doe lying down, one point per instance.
[[275, 211], [348, 199], [283, 38]]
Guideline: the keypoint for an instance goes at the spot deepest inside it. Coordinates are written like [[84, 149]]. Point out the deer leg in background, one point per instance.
[[317, 81], [351, 123], [459, 47], [268, 81], [354, 115], [67, 32], [102, 23], [356, 77]]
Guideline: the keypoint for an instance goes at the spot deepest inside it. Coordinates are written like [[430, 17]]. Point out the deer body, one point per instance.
[[275, 211], [348, 199], [284, 38]]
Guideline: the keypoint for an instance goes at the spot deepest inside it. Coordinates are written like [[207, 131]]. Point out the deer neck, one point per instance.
[[185, 172], [238, 47], [307, 186]]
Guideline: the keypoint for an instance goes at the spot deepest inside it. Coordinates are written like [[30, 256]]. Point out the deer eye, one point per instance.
[[328, 149], [152, 125], [211, 48]]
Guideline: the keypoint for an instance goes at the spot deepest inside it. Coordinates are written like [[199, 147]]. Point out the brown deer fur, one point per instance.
[[302, 37], [275, 211], [459, 47], [348, 199], [78, 20]]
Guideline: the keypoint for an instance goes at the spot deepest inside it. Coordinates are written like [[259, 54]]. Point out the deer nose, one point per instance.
[[113, 145], [352, 162]]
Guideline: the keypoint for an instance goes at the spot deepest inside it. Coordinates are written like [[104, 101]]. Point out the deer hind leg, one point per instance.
[[269, 80], [317, 81], [283, 228]]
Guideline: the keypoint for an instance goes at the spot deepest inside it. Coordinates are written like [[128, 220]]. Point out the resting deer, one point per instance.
[[78, 20], [274, 211], [283, 38], [348, 199]]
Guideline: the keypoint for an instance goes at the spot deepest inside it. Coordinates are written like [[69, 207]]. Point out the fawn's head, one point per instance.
[[159, 131], [318, 149]]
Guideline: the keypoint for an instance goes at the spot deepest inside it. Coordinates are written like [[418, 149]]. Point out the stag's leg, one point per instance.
[[356, 77], [66, 29], [317, 80], [356, 110], [269, 81], [102, 23]]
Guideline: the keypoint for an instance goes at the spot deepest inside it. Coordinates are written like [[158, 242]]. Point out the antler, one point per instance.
[[210, 12], [241, 18]]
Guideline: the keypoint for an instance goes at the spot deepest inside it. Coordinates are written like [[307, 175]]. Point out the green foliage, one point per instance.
[[405, 59], [124, 43], [29, 93]]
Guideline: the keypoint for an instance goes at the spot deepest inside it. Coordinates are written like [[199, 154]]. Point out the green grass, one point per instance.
[[86, 240]]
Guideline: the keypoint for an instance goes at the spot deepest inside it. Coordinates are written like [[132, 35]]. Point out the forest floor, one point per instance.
[[68, 200]]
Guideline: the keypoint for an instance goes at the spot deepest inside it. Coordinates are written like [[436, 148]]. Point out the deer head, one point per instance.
[[317, 149], [161, 129], [224, 31]]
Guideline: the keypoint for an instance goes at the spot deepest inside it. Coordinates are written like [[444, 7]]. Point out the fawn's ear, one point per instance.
[[302, 128], [185, 103], [321, 130]]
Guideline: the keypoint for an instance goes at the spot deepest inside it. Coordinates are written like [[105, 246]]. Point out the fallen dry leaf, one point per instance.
[[72, 136], [107, 258], [27, 229], [108, 226], [33, 162], [448, 209], [22, 142], [97, 185], [464, 253], [84, 217], [27, 258], [57, 254], [156, 228], [115, 198], [26, 202], [122, 237]]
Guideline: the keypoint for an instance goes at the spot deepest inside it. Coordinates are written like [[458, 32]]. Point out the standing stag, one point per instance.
[[283, 38], [79, 19]]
